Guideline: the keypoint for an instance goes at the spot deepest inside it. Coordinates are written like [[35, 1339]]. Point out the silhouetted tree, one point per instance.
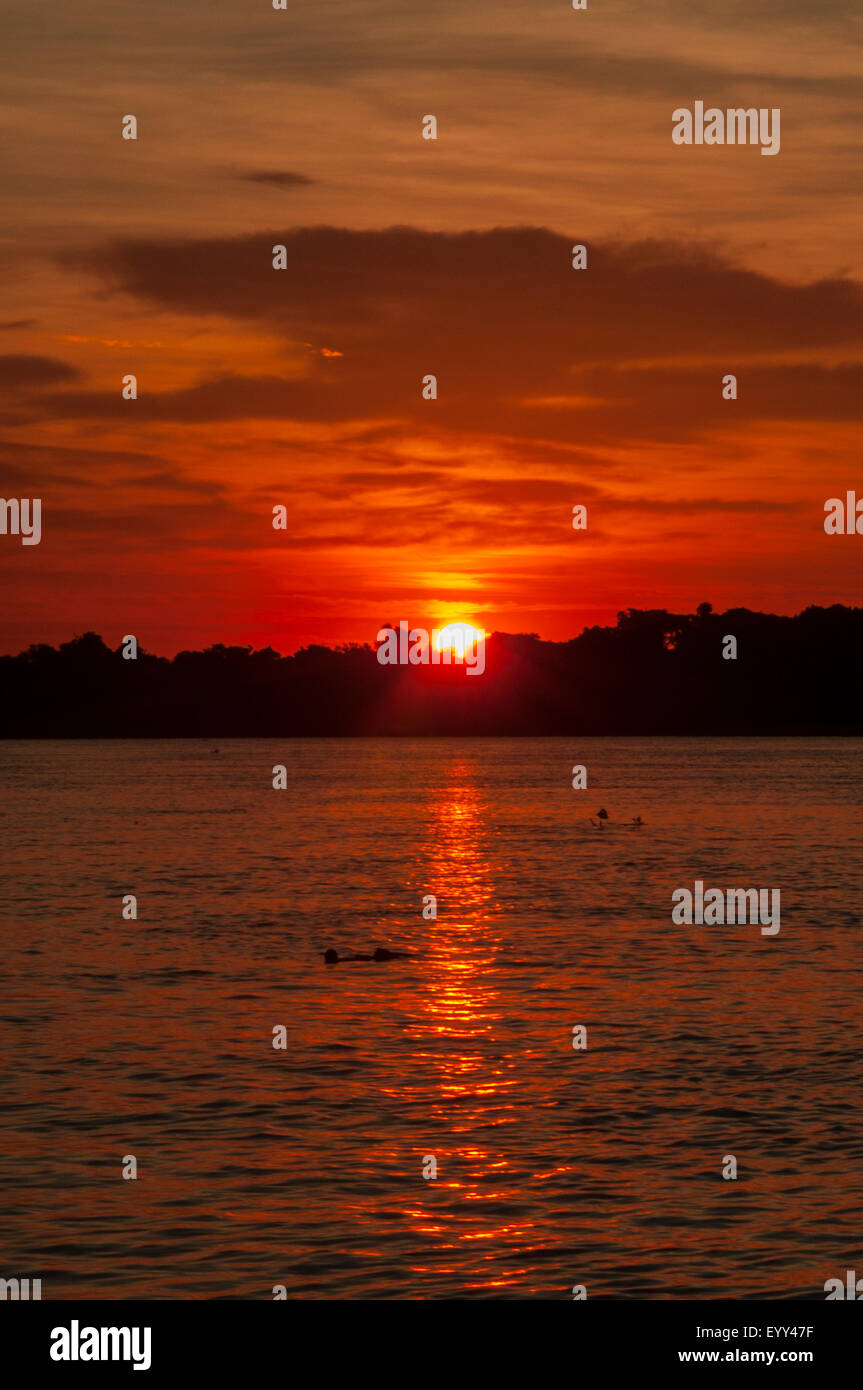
[[655, 672]]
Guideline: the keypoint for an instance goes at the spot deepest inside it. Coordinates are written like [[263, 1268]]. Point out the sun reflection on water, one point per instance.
[[469, 1074]]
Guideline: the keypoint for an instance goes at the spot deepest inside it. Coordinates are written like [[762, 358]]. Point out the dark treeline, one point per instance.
[[654, 673]]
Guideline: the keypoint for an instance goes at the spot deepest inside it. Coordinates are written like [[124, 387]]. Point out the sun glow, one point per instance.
[[459, 637]]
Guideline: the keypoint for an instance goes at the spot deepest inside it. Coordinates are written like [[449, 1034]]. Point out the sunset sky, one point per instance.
[[406, 257]]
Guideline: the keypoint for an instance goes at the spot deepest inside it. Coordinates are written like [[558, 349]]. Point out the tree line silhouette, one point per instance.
[[655, 672]]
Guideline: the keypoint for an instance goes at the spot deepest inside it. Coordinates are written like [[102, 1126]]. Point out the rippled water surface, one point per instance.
[[303, 1166]]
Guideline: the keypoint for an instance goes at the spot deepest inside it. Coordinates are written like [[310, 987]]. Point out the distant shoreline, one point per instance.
[[762, 734], [737, 674]]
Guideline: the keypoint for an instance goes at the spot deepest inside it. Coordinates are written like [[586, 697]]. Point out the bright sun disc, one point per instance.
[[459, 637]]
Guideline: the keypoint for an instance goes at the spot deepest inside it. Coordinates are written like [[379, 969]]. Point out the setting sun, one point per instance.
[[459, 637]]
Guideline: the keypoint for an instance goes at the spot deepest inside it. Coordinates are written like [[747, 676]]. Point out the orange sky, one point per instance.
[[407, 257]]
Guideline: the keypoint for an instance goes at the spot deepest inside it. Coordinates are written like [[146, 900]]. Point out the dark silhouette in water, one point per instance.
[[602, 815], [332, 957], [654, 673]]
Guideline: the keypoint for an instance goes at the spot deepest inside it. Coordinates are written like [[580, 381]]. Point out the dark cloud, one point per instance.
[[16, 371], [222, 398], [510, 292], [521, 344], [693, 506], [279, 178], [333, 45], [680, 402], [35, 466]]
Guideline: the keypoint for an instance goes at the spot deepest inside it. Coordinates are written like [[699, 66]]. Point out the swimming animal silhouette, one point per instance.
[[602, 815], [332, 957]]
